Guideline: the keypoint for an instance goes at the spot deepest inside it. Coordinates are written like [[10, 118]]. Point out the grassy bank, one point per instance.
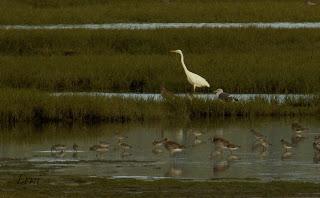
[[105, 11], [34, 106], [241, 60], [71, 186]]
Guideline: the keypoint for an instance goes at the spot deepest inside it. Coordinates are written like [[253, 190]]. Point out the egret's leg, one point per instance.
[[194, 88]]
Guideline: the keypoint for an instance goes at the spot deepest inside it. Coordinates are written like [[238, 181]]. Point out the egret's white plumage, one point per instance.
[[194, 79]]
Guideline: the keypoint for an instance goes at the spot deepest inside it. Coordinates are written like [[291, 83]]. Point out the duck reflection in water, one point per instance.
[[174, 171]]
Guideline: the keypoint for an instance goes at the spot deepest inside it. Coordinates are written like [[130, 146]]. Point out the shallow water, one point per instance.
[[150, 26], [26, 149], [158, 97]]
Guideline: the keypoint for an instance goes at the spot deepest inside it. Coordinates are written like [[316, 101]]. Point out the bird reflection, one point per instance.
[[316, 148], [316, 157], [296, 139], [261, 143], [221, 161], [174, 171], [233, 157], [156, 144], [157, 151], [58, 154], [220, 166], [286, 155]]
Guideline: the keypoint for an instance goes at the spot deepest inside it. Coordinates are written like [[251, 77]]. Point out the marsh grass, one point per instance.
[[192, 41], [82, 186], [105, 11], [17, 105], [239, 61]]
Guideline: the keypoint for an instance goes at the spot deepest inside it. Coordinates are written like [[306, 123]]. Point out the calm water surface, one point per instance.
[[26, 149], [150, 26], [156, 96]]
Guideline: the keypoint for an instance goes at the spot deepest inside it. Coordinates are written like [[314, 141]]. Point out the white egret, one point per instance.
[[194, 79]]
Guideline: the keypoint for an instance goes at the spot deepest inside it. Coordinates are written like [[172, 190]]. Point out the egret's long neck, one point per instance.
[[183, 65]]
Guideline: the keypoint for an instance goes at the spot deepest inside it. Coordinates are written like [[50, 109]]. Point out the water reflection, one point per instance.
[[158, 97], [150, 26], [140, 150]]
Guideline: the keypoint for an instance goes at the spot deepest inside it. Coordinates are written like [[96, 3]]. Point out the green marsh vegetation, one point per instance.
[[106, 11], [60, 186], [19, 105], [237, 60]]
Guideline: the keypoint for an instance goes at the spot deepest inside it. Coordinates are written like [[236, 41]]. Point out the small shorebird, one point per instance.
[[121, 137], [104, 144], [157, 143], [316, 143], [310, 3], [258, 135], [225, 96], [98, 148], [75, 147], [124, 145], [219, 143], [197, 141], [219, 140], [264, 144], [173, 147], [296, 139], [58, 147], [298, 128], [232, 147], [286, 145], [196, 133], [222, 143], [166, 94]]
